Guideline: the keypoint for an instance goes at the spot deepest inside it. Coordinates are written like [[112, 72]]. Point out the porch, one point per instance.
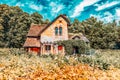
[[51, 48]]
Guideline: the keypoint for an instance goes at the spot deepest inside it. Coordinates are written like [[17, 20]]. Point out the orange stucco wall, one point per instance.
[[49, 33]]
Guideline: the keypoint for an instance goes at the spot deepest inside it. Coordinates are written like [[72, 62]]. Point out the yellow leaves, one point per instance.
[[1, 65], [67, 72], [37, 68]]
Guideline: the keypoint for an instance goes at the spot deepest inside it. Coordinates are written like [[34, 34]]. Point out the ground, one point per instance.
[[17, 64]]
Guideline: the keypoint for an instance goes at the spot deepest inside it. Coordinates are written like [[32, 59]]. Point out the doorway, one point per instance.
[[75, 50]]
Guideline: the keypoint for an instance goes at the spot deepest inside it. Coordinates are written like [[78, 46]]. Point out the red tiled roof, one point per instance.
[[80, 35], [35, 29], [32, 42]]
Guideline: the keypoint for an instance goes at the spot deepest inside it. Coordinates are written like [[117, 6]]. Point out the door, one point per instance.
[[75, 50]]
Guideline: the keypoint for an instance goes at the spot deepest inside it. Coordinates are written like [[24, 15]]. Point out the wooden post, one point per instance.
[[28, 49], [52, 49], [57, 49], [63, 51], [43, 49]]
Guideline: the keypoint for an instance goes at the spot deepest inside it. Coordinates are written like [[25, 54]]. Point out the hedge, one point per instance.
[[70, 44]]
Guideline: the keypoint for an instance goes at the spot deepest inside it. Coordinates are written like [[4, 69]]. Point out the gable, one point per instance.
[[48, 35], [64, 17]]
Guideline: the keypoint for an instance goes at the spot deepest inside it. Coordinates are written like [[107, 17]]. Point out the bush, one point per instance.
[[70, 44], [17, 51]]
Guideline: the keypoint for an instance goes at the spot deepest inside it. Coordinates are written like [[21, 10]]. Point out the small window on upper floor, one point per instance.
[[60, 21], [60, 31], [56, 30]]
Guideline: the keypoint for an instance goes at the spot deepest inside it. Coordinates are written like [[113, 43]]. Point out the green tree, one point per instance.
[[76, 27], [46, 21], [14, 25], [101, 36], [36, 18], [118, 30]]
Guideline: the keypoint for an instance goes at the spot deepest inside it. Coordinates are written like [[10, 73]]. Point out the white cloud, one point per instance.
[[19, 4], [56, 7], [106, 17], [52, 4], [78, 9], [36, 7], [107, 5], [117, 15], [96, 5], [118, 12]]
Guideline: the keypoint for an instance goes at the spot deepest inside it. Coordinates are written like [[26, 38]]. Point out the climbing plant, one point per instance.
[[83, 47]]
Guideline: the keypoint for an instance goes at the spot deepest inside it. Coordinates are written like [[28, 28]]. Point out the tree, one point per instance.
[[118, 30], [14, 25], [1, 36], [46, 21], [101, 36], [76, 27], [36, 18]]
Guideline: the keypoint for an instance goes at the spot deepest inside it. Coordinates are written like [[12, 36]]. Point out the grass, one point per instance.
[[17, 64]]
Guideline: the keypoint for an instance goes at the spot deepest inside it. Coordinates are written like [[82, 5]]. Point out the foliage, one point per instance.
[[70, 44], [14, 25], [37, 18], [118, 41], [101, 35], [16, 51], [76, 27], [73, 67]]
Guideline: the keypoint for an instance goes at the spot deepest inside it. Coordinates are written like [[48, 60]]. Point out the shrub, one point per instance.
[[17, 51], [70, 44]]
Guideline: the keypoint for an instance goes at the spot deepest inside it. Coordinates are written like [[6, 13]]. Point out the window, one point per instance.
[[60, 21], [56, 30], [47, 47], [60, 31]]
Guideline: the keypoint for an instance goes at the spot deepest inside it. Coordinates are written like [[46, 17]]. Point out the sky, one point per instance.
[[105, 10]]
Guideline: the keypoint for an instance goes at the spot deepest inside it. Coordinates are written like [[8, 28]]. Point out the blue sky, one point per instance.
[[105, 10]]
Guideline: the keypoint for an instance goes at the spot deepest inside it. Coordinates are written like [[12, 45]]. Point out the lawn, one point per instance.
[[101, 65]]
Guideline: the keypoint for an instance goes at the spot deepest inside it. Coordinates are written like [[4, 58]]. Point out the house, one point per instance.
[[41, 38]]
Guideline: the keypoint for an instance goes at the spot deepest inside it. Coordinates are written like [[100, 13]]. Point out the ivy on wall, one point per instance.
[[69, 45]]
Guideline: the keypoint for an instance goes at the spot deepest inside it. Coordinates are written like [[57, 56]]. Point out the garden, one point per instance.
[[20, 65]]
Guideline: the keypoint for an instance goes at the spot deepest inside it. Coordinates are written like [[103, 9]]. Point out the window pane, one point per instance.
[[56, 31], [47, 47], [60, 30]]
